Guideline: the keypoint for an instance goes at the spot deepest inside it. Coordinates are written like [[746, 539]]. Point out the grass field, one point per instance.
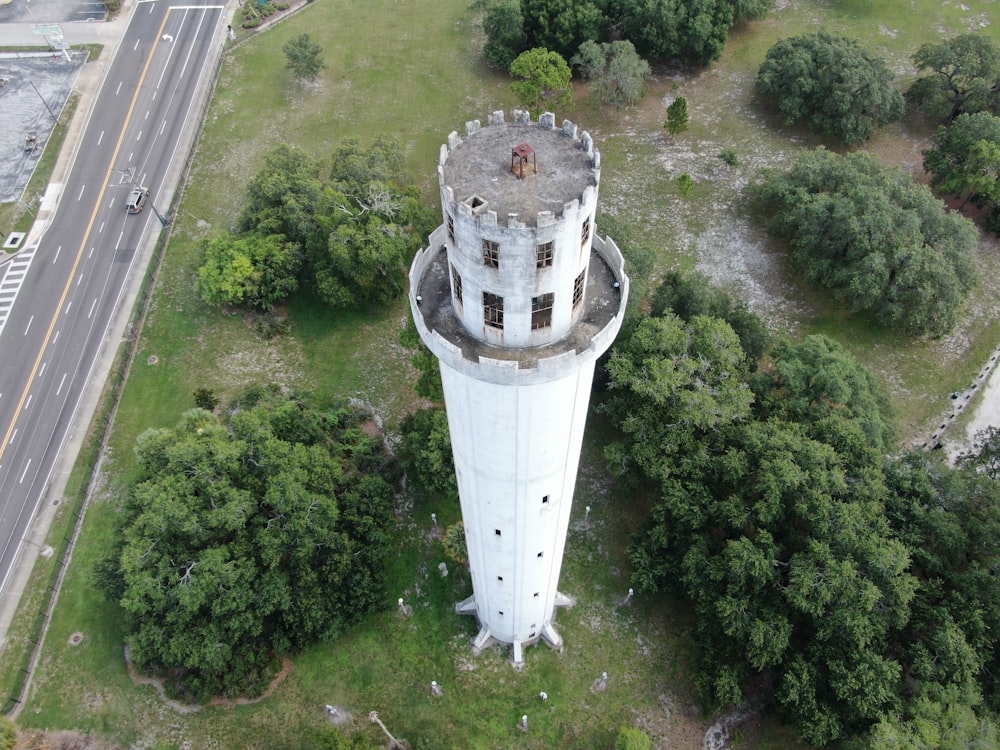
[[413, 71]]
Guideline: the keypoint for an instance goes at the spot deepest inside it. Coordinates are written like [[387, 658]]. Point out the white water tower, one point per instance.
[[517, 297]]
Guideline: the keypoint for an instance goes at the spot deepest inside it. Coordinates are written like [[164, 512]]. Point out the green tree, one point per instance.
[[616, 73], [985, 457], [283, 196], [693, 31], [688, 293], [363, 257], [964, 159], [818, 385], [367, 228], [426, 453], [562, 25], [949, 519], [777, 535], [670, 383], [353, 167], [303, 57], [677, 116], [832, 84], [964, 77], [247, 536], [936, 719], [876, 239], [544, 80], [249, 271], [505, 37]]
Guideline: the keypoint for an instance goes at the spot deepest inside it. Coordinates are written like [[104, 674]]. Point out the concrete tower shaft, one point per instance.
[[517, 297]]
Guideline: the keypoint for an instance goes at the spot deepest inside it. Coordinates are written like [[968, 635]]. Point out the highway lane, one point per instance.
[[59, 324]]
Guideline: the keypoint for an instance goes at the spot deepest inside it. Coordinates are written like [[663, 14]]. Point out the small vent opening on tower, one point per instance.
[[519, 158], [477, 204]]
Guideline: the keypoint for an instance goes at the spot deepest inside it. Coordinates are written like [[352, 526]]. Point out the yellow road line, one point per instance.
[[83, 244]]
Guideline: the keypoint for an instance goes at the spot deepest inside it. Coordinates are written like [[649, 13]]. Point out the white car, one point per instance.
[[137, 200]]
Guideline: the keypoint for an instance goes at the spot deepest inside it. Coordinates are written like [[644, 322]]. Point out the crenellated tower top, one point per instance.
[[477, 178]]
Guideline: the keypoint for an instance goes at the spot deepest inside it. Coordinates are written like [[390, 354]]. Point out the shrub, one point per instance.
[[205, 398], [685, 183], [454, 543], [728, 155], [630, 738]]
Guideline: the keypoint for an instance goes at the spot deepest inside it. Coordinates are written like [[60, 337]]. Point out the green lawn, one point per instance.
[[412, 71]]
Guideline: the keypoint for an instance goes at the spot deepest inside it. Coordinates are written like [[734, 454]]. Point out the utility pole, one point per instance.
[[55, 117]]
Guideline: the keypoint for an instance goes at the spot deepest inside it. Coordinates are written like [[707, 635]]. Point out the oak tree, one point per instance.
[[879, 241], [964, 159], [561, 26], [964, 77], [503, 24], [831, 83], [249, 535], [769, 518]]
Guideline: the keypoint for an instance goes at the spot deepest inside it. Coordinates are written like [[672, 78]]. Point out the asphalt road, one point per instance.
[[74, 280]]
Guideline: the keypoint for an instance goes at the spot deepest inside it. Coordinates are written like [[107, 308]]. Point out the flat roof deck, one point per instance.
[[481, 165]]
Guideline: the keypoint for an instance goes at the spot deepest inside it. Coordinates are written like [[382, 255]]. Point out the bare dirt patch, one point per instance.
[[190, 708]]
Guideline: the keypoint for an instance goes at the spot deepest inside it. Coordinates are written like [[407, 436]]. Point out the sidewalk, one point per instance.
[[107, 33]]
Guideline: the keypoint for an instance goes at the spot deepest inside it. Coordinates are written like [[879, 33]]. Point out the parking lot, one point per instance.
[[33, 94], [52, 11]]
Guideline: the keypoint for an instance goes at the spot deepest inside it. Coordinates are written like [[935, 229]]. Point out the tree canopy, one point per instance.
[[848, 587], [616, 73], [691, 31], [832, 84], [694, 31], [349, 234], [543, 80], [249, 535], [964, 159], [687, 294], [964, 77], [284, 195], [876, 239], [503, 24], [304, 56], [426, 453], [763, 520], [249, 271], [563, 25]]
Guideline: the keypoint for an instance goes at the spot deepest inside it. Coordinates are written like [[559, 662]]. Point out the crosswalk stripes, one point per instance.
[[12, 281]]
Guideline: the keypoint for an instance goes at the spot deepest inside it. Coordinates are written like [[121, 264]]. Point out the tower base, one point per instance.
[[485, 638]]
